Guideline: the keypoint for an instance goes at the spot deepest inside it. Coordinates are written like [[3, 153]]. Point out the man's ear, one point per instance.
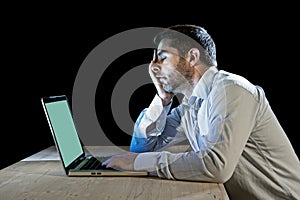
[[193, 56]]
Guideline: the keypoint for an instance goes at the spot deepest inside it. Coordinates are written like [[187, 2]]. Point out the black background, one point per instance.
[[43, 48]]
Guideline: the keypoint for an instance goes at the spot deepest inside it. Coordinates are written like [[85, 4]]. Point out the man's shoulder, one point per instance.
[[228, 79]]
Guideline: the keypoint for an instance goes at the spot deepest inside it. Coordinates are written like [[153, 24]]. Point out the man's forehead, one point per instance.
[[164, 46]]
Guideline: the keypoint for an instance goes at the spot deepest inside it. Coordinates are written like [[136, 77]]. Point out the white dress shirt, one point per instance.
[[235, 139]]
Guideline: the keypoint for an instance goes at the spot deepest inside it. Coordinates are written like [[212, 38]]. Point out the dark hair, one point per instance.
[[184, 37]]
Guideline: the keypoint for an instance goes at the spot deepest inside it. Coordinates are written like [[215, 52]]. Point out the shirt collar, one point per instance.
[[203, 86]]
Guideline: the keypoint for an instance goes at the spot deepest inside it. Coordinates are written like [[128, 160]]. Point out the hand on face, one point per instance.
[[164, 95]]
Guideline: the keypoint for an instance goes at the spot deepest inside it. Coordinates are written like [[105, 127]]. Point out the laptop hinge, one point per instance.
[[76, 162]]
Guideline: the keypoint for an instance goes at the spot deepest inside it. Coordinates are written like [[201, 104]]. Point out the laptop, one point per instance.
[[75, 161]]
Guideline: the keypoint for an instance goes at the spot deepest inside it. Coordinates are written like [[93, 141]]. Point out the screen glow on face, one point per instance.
[[64, 130]]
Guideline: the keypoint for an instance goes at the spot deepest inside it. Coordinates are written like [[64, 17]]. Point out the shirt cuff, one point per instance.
[[156, 112], [146, 161], [155, 108]]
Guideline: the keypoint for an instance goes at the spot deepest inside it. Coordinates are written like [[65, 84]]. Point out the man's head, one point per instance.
[[183, 54], [185, 37]]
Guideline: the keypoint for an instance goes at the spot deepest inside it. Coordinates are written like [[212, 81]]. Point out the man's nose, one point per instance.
[[155, 68]]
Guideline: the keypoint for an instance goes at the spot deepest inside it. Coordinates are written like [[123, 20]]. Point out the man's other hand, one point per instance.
[[122, 162]]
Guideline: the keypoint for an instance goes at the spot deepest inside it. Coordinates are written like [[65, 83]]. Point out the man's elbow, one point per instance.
[[221, 176], [140, 145], [136, 149], [219, 167], [216, 177]]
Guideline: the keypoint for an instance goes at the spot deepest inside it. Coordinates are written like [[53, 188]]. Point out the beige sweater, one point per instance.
[[235, 139]]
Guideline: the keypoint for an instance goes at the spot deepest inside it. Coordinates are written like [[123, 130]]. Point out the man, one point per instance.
[[234, 136]]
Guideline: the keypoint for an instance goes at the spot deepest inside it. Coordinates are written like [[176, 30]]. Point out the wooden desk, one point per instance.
[[41, 176]]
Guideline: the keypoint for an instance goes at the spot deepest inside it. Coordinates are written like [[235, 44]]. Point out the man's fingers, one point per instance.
[[106, 163], [109, 163], [154, 59]]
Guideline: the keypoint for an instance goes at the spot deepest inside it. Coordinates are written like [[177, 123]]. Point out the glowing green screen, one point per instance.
[[64, 130]]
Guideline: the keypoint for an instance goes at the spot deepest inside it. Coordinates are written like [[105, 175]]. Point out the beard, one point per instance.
[[181, 79]]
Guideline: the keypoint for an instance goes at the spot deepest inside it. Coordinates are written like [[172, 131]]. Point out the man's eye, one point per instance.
[[161, 59]]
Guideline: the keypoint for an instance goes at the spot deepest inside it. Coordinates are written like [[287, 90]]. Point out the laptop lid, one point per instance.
[[63, 129], [67, 141]]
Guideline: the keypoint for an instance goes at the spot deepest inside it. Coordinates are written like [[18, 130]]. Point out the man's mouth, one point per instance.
[[163, 80]]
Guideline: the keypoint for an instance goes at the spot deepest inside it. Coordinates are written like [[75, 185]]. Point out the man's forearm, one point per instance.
[[149, 126]]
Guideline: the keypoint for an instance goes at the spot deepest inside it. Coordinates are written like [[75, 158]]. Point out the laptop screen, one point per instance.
[[64, 130]]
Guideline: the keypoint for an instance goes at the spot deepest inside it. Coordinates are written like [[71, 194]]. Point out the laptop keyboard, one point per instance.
[[93, 163]]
